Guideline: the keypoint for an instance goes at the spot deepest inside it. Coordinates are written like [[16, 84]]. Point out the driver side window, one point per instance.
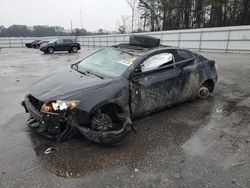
[[59, 41], [157, 61]]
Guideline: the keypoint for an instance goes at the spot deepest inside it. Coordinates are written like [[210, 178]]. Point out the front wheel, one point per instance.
[[51, 50], [104, 121], [101, 122]]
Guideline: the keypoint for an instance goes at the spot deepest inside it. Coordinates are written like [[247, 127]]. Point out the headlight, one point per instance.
[[63, 105], [52, 107], [47, 108]]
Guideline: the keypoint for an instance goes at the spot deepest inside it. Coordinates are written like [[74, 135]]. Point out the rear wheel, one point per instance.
[[74, 49], [203, 92], [51, 50]]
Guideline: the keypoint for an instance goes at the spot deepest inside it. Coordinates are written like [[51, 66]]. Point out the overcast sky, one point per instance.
[[96, 14]]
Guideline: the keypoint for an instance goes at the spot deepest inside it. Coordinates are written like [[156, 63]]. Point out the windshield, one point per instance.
[[53, 41], [108, 61]]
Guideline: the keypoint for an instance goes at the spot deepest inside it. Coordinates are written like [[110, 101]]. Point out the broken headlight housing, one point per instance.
[[59, 105]]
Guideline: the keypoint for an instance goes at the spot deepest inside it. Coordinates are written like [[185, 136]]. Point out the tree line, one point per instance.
[[159, 15], [36, 31], [156, 15], [42, 31]]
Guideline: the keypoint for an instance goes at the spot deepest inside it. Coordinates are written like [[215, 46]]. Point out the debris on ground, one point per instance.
[[49, 150], [218, 110], [3, 173], [68, 174]]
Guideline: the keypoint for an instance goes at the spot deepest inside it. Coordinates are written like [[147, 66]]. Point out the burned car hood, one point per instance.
[[65, 84]]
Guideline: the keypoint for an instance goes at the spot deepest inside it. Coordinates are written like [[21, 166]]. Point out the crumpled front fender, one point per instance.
[[106, 138]]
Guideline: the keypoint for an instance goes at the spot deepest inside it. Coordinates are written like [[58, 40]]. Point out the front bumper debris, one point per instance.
[[51, 126], [107, 138], [63, 127]]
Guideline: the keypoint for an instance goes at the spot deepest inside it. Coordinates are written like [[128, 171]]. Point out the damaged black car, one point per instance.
[[100, 95]]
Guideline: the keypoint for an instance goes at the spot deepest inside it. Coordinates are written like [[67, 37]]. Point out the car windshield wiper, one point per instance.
[[75, 67], [124, 51], [95, 74]]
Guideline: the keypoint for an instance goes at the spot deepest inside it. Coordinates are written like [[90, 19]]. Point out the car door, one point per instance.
[[67, 44], [59, 46], [156, 86], [190, 71]]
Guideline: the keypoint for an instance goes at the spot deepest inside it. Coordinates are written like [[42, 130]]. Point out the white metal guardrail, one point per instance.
[[221, 39]]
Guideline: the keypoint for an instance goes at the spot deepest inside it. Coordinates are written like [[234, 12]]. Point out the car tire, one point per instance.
[[104, 121], [74, 49], [203, 92], [50, 50], [101, 122]]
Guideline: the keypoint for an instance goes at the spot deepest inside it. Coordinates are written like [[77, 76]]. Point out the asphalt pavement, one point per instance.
[[201, 143]]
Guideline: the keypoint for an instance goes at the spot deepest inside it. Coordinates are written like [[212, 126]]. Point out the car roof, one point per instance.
[[138, 50]]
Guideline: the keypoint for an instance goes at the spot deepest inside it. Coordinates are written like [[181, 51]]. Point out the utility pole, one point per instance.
[[71, 27], [81, 17], [132, 3], [139, 20], [133, 15]]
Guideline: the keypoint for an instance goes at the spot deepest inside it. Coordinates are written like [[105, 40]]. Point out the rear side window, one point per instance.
[[59, 41], [67, 41], [183, 55]]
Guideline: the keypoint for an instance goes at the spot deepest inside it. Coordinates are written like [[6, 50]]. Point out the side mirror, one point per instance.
[[137, 70], [55, 43]]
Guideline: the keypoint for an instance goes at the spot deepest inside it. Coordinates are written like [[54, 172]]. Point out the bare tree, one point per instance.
[[152, 10], [132, 4], [122, 27]]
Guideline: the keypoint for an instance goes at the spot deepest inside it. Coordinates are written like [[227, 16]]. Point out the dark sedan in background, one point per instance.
[[61, 45], [40, 43], [32, 44]]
